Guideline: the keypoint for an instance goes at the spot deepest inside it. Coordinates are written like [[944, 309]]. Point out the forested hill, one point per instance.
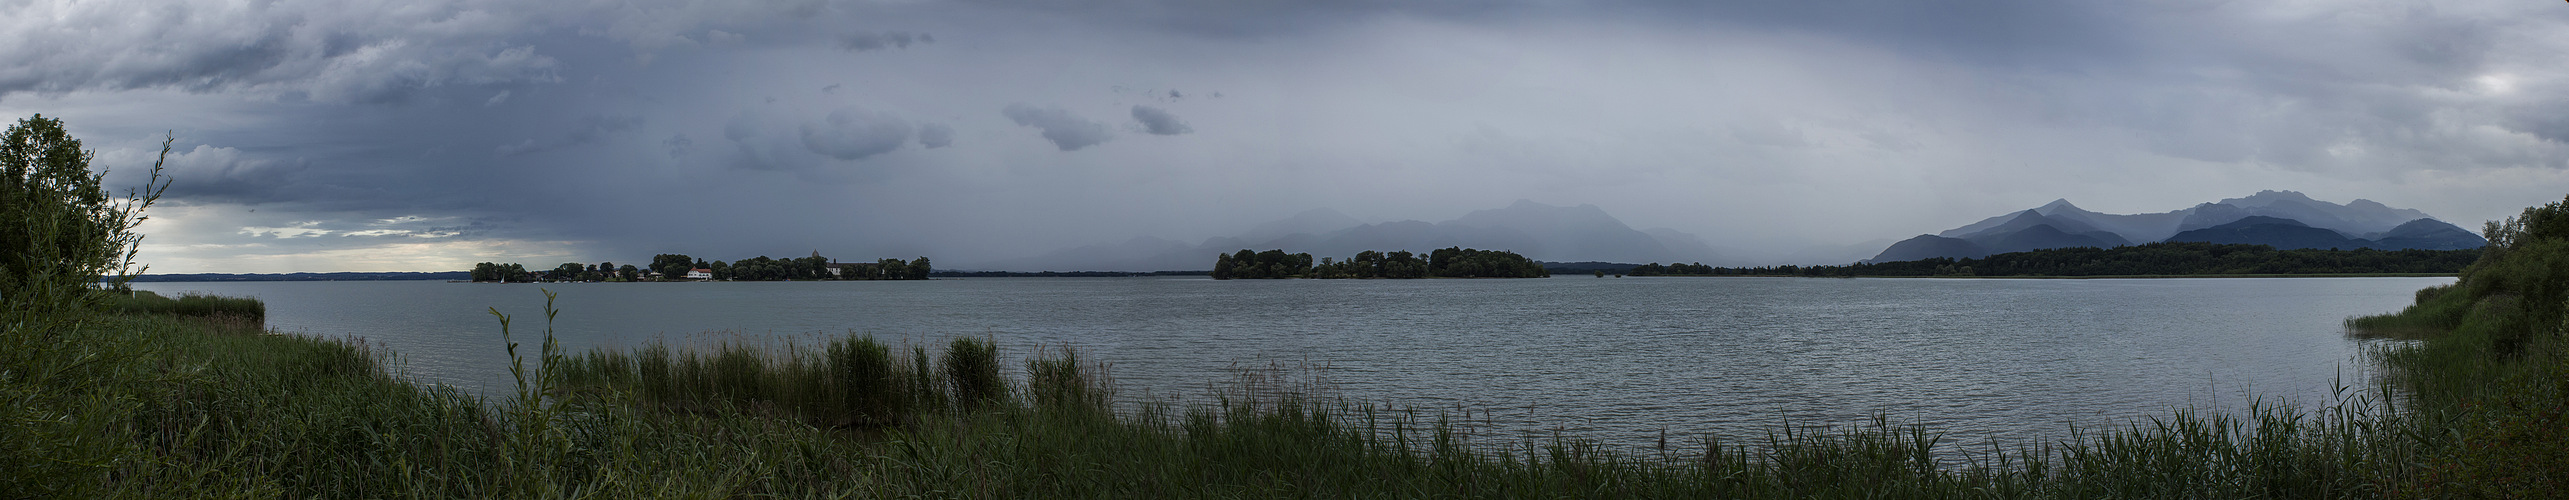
[[2155, 259]]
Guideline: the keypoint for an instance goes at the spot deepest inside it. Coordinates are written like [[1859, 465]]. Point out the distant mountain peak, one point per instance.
[[2286, 219], [2255, 220], [1526, 204], [2269, 197]]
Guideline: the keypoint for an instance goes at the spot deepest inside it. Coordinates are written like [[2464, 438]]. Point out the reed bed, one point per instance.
[[239, 310]]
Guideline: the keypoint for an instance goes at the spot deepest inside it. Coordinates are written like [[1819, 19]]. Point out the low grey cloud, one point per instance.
[[1067, 131], [856, 133], [679, 145], [1158, 121], [764, 143], [216, 174], [872, 40], [935, 135], [591, 129], [362, 54]]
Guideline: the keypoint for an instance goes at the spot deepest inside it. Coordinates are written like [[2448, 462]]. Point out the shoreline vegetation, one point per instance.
[[103, 396], [681, 267], [1454, 262]]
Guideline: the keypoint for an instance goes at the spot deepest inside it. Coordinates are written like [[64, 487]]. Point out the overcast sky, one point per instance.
[[426, 135]]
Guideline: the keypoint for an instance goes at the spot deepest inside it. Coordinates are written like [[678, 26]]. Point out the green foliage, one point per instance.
[[761, 268], [972, 371], [249, 312], [568, 271], [1222, 266], [865, 382], [2155, 259], [1469, 263], [1372, 264], [503, 273], [1453, 262], [672, 266], [1271, 264], [2491, 375], [1062, 384], [60, 231]]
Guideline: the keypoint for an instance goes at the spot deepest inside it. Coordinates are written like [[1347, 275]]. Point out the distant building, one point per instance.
[[700, 274]]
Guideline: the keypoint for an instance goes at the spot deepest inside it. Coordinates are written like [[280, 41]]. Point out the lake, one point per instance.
[[1619, 359]]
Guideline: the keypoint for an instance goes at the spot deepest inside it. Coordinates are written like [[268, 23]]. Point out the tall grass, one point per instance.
[[1057, 433], [848, 382], [245, 311]]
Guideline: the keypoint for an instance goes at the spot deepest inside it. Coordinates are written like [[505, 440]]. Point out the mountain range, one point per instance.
[[2283, 219], [1535, 230]]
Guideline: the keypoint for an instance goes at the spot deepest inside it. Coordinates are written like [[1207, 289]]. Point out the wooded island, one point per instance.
[[1453, 262]]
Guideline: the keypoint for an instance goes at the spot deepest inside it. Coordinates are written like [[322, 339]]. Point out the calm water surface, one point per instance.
[[1616, 359]]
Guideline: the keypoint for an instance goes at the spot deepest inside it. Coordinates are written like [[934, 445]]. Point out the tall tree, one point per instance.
[[566, 272], [671, 265], [60, 231]]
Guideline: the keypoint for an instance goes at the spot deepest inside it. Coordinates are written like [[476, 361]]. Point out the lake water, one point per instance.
[[1618, 359]]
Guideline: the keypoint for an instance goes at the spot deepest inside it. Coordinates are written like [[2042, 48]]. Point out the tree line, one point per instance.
[[677, 267], [1454, 262], [2154, 259]]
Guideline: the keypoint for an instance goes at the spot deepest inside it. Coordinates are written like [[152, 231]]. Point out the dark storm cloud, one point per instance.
[[679, 145], [344, 53], [1067, 131], [2549, 121], [339, 116], [1158, 121], [856, 133], [591, 130], [1988, 30], [870, 40], [935, 135], [1256, 18], [225, 175], [765, 143]]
